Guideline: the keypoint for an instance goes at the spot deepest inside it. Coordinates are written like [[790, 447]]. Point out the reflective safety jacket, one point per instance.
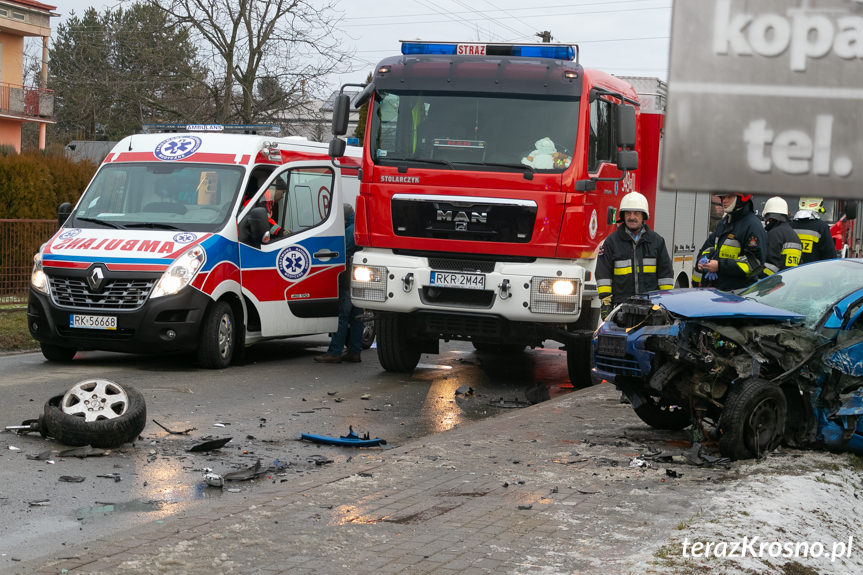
[[625, 267], [783, 248], [816, 239], [739, 244]]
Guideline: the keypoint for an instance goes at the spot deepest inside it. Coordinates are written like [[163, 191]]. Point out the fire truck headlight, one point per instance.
[[180, 273], [38, 279], [369, 283], [555, 295]]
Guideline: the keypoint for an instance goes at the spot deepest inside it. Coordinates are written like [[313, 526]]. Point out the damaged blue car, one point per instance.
[[778, 362]]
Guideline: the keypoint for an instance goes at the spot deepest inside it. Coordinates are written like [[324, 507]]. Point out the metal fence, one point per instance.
[[19, 241]]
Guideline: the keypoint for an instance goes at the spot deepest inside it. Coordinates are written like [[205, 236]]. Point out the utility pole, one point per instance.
[[546, 36]]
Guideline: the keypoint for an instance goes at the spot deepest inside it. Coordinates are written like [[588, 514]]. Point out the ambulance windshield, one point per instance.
[[447, 130], [194, 197]]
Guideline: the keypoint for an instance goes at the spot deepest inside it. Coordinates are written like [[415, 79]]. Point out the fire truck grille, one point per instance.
[[461, 265], [478, 222], [117, 294], [454, 326]]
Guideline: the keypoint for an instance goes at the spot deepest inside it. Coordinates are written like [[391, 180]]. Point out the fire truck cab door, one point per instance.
[[290, 272]]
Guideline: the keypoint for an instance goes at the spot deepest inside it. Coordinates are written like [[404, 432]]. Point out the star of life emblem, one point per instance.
[[293, 263]]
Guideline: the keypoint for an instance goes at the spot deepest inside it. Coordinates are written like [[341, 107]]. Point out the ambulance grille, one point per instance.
[[118, 294]]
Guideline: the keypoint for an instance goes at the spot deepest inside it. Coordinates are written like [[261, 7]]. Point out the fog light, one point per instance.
[[170, 334]]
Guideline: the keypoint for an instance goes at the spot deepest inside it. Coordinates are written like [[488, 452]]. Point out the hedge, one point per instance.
[[34, 184]]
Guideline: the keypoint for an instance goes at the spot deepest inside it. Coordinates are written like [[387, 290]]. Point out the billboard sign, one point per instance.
[[766, 97]]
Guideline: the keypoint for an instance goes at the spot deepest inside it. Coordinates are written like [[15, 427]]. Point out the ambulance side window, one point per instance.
[[307, 201]]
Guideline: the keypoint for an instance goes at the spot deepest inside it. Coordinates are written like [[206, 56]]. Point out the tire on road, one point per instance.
[[658, 414], [58, 353], [579, 361], [74, 430], [396, 351], [752, 423], [218, 337]]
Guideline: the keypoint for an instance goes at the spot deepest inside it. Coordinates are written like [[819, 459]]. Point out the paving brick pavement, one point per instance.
[[541, 490]]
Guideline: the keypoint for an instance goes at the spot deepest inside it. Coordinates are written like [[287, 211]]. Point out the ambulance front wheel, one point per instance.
[[218, 337]]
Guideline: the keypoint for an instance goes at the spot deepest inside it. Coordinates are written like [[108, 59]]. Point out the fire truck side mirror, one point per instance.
[[337, 148], [850, 210], [625, 126], [627, 160], [341, 111], [63, 213]]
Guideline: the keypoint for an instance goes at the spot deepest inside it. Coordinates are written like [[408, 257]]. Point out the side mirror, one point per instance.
[[63, 213], [627, 160], [341, 112], [255, 228], [337, 147], [625, 126], [851, 210]]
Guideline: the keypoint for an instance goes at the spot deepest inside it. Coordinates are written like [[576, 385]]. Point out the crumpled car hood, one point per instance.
[[712, 303]]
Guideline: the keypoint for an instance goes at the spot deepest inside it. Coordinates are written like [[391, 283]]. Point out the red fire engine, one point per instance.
[[490, 174]]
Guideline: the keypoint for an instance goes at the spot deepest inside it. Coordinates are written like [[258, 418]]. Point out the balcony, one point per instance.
[[26, 103]]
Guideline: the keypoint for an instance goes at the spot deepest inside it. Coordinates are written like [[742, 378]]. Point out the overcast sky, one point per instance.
[[622, 37]]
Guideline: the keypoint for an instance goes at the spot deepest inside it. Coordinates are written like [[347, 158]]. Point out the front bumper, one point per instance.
[[512, 290], [165, 324]]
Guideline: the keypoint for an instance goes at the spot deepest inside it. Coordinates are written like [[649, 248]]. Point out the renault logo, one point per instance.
[[95, 279]]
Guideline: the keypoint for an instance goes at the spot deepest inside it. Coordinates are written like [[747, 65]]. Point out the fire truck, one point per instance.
[[490, 174]]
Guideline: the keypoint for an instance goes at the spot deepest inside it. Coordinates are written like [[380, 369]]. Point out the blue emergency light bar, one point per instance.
[[552, 51]]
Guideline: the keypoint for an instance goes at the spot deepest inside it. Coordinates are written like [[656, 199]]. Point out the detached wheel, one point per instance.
[[579, 361], [499, 348], [218, 337], [657, 413], [752, 423], [395, 350], [57, 353], [95, 412]]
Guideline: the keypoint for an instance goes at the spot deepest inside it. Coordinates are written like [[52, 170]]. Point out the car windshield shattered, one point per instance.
[[808, 290], [194, 197], [474, 131]]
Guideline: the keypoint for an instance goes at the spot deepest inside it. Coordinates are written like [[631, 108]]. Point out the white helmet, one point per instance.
[[634, 202], [776, 208]]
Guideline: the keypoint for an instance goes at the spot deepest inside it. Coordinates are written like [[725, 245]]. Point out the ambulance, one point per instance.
[[196, 240]]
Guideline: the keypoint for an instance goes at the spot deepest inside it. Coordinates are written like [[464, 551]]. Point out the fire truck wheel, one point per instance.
[[218, 337], [579, 362], [396, 352], [57, 353], [95, 412]]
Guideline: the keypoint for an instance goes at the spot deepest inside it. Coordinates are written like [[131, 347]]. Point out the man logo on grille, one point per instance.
[[95, 279]]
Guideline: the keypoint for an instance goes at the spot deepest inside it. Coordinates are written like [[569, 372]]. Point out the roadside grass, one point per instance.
[[14, 335]]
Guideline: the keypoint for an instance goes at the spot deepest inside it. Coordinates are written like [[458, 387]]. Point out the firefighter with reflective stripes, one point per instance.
[[734, 254], [633, 259], [783, 245], [814, 234]]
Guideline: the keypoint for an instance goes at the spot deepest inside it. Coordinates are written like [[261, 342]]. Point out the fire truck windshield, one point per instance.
[[474, 131], [193, 197]]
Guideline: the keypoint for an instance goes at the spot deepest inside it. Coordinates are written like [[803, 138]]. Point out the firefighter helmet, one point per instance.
[[634, 202], [776, 208]]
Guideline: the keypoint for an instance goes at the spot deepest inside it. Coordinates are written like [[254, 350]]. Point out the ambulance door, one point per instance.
[[292, 250]]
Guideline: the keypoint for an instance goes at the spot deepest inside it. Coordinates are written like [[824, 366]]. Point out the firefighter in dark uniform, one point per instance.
[[633, 259], [734, 254], [814, 234], [783, 245]]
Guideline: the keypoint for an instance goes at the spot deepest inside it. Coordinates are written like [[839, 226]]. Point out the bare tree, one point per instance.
[[293, 44]]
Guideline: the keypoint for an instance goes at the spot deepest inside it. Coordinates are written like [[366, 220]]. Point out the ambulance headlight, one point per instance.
[[180, 273], [38, 279]]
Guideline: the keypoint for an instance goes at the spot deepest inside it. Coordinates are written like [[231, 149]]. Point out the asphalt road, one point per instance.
[[263, 405]]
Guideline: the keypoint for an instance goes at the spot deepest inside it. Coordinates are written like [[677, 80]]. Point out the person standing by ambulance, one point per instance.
[[783, 245], [734, 253], [814, 234], [633, 259]]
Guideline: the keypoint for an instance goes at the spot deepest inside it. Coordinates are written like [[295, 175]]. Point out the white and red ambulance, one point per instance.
[[202, 241]]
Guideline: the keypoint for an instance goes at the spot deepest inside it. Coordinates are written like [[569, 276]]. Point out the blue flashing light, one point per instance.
[[551, 51]]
